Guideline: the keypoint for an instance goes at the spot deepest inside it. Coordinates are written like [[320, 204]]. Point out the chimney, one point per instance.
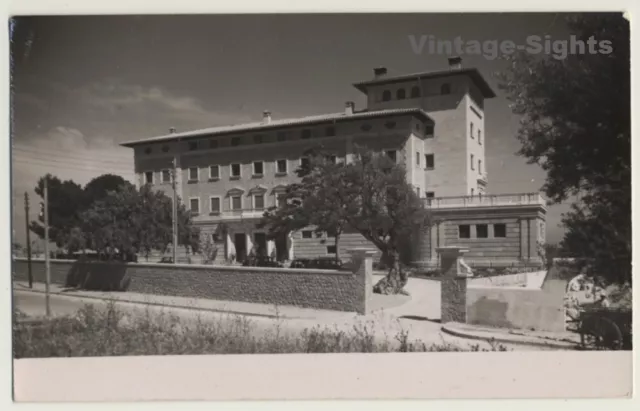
[[348, 108], [455, 63], [266, 117], [379, 72], [172, 130]]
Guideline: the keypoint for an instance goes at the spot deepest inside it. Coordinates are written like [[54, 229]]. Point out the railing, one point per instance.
[[235, 214], [485, 200]]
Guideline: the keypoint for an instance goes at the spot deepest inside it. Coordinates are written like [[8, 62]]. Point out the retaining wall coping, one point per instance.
[[279, 270]]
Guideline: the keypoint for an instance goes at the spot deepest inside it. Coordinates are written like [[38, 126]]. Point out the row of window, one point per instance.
[[235, 171], [235, 203], [482, 230], [281, 136], [479, 133], [415, 92]]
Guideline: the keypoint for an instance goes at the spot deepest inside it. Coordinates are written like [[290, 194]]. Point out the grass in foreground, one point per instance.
[[94, 332]]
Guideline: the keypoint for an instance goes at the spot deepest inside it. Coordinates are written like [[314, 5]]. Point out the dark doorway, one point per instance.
[[282, 253], [240, 242], [260, 244]]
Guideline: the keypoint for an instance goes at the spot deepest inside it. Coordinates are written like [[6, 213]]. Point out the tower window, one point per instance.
[[464, 231], [430, 161], [472, 162], [401, 94], [471, 129], [386, 95], [479, 137], [415, 92], [428, 130], [482, 231]]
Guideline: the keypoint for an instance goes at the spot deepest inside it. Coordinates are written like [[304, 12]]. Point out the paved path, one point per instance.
[[417, 315]]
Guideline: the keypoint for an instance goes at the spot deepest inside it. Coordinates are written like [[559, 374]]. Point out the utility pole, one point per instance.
[[175, 212], [26, 212], [46, 245]]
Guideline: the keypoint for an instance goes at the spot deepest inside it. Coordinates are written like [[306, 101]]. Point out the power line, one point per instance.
[[72, 167], [71, 156]]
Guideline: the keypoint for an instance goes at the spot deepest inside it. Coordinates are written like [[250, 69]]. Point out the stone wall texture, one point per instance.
[[322, 289]]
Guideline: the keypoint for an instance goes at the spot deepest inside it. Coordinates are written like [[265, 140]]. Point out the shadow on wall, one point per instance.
[[490, 311], [101, 276]]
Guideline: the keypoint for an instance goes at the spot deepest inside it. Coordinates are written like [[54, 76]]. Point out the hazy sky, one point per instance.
[[84, 84]]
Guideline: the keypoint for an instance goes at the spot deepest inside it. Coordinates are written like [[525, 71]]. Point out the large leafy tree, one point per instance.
[[314, 201], [99, 187], [131, 221], [575, 123], [385, 209], [66, 201], [369, 194]]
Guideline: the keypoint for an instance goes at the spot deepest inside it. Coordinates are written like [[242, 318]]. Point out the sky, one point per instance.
[[83, 84]]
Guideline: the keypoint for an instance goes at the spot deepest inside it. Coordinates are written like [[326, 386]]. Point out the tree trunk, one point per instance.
[[337, 242], [396, 279]]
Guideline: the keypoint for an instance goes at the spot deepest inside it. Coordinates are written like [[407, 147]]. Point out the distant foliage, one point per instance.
[[576, 124]]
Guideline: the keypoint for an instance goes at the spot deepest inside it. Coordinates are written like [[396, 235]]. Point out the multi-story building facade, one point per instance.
[[432, 123]]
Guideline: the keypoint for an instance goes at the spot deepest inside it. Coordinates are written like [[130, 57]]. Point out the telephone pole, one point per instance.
[[175, 212], [46, 246], [26, 212]]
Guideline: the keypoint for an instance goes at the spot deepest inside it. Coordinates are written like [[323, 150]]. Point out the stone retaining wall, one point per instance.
[[322, 289]]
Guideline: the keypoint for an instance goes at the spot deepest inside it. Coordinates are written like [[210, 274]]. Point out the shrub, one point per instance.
[[323, 263]]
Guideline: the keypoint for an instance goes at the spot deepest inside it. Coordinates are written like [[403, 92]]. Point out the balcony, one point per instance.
[[485, 201], [237, 214]]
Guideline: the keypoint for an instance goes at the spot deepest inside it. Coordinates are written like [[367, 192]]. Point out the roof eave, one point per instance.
[[167, 138]]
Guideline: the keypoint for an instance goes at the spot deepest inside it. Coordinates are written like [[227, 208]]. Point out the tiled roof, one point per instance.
[[238, 128], [475, 75]]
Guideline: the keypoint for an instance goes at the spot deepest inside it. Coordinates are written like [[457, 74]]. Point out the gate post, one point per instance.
[[362, 267], [453, 285]]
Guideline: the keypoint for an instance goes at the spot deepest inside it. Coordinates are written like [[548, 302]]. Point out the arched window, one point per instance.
[[386, 95], [445, 88], [415, 92], [400, 94]]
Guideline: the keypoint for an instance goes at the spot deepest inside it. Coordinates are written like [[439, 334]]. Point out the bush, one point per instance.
[[322, 263], [261, 261]]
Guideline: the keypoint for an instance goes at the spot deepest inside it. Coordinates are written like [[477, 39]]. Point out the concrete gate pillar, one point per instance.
[[362, 267], [453, 286]]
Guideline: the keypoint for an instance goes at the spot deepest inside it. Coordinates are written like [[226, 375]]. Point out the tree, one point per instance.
[[385, 209], [131, 221], [66, 200], [370, 195], [314, 201], [575, 123], [99, 187]]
